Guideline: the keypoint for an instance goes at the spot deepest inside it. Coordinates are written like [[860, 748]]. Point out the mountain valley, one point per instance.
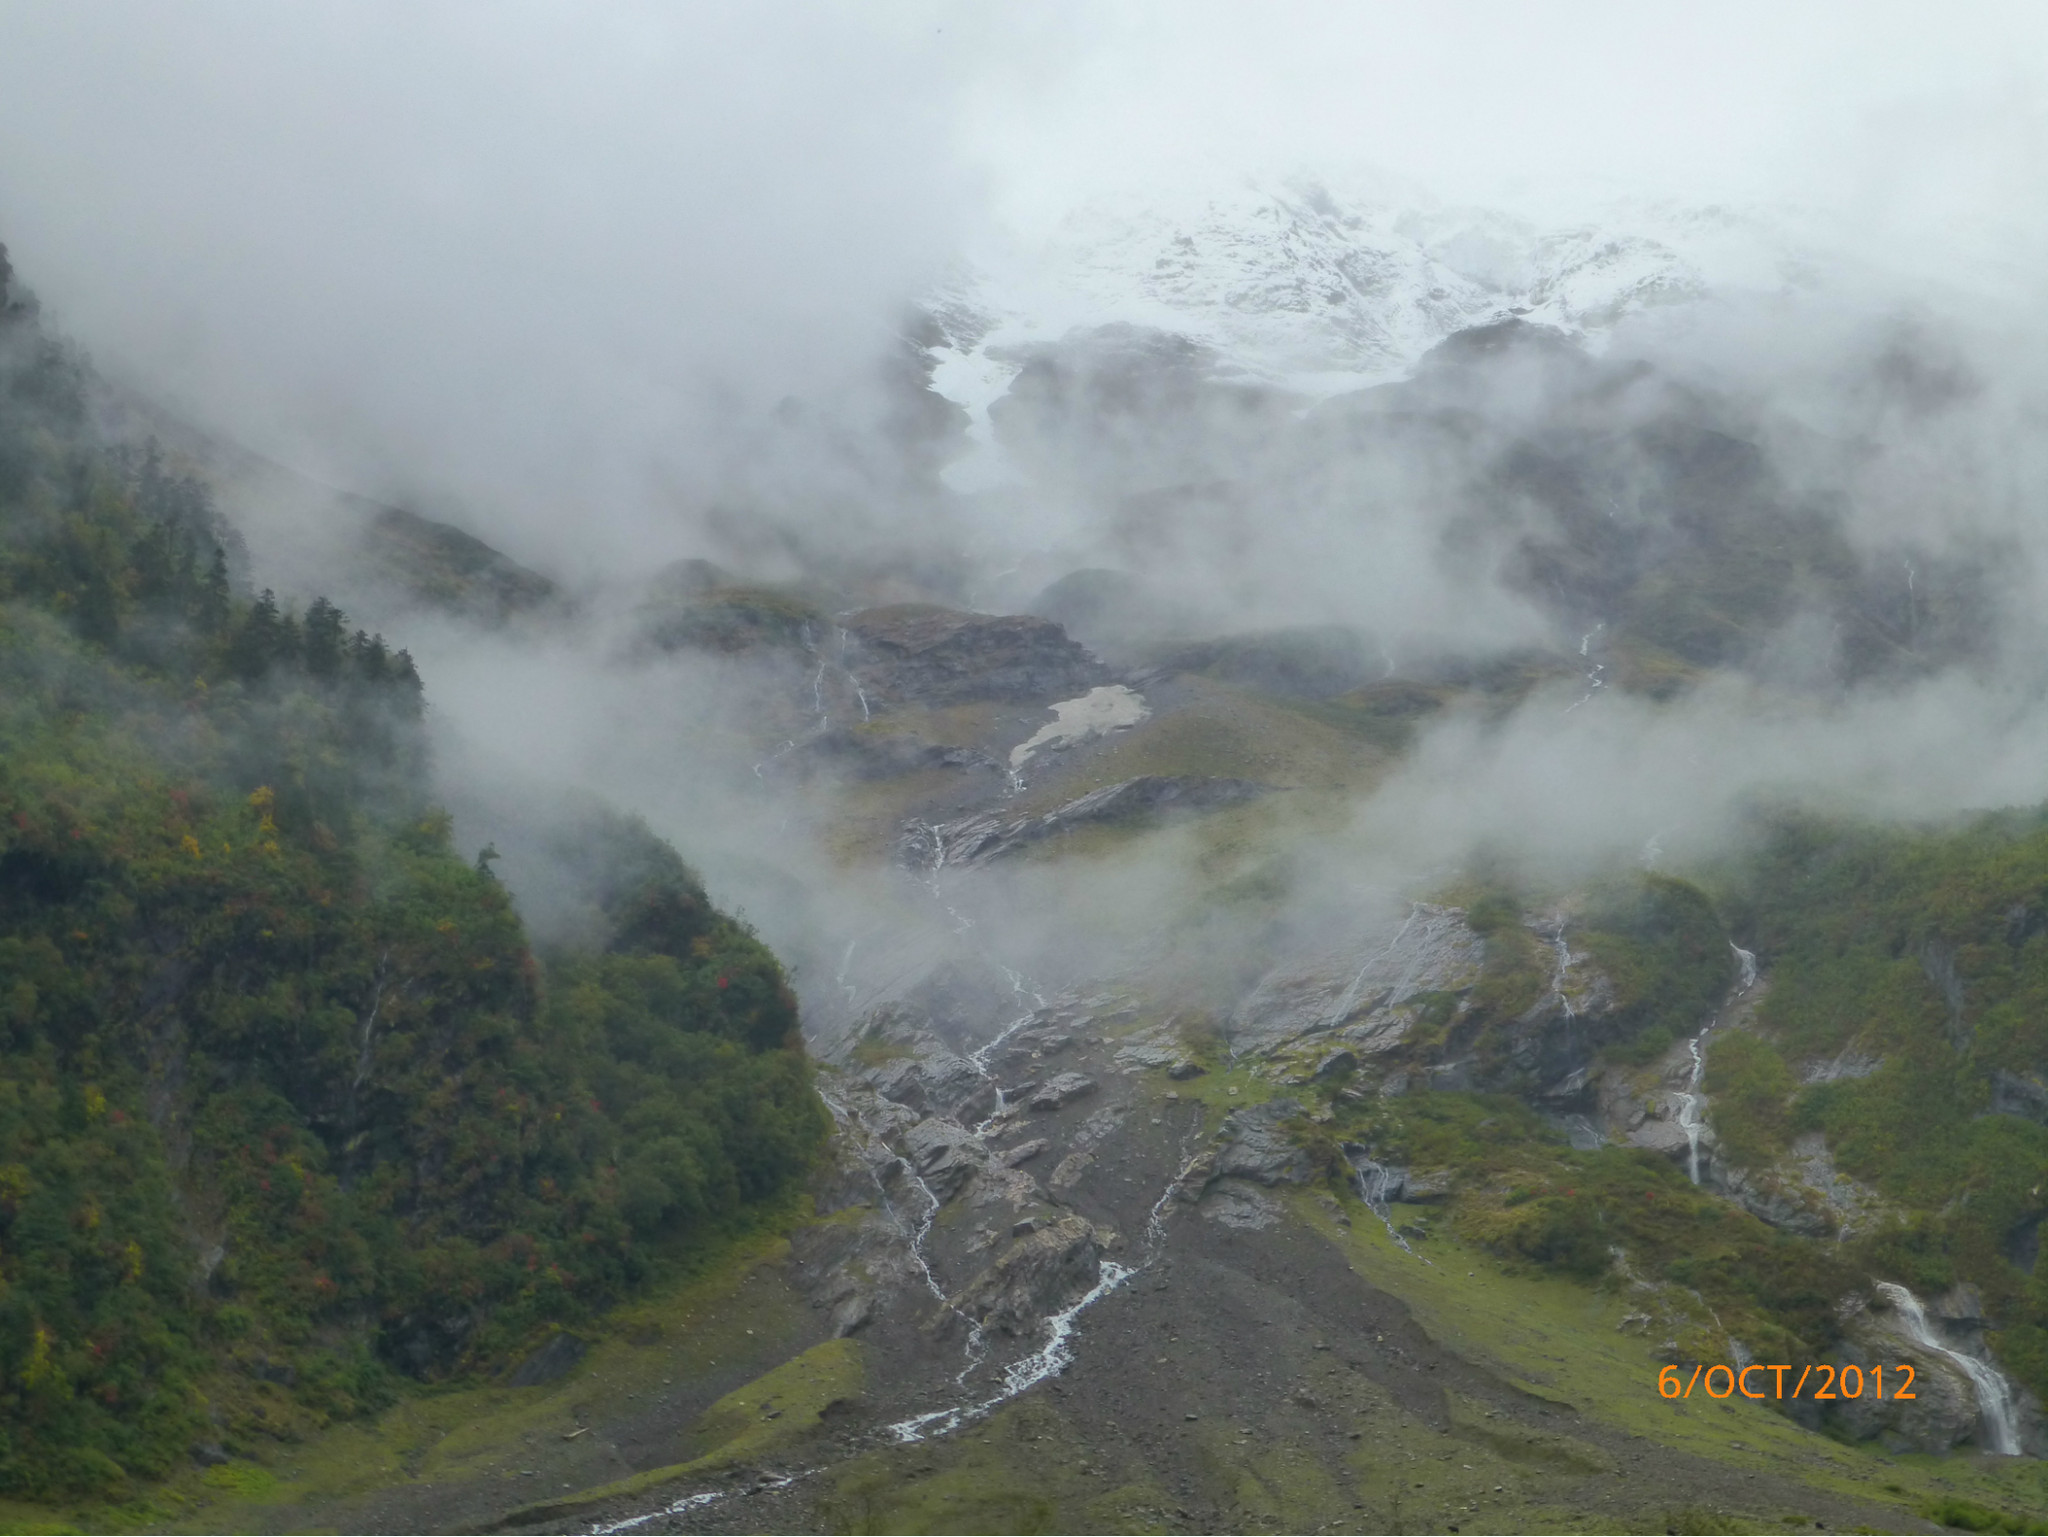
[[1293, 1002]]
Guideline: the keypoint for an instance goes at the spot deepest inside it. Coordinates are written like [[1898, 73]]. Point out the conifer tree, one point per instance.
[[373, 662], [324, 630], [210, 605], [255, 644]]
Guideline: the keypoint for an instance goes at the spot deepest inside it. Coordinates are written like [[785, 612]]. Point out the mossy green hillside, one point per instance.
[[1921, 954], [1571, 1343], [291, 1115]]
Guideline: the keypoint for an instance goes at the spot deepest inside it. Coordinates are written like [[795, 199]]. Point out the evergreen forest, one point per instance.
[[292, 1114]]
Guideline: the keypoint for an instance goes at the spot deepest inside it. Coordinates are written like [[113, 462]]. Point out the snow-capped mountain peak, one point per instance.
[[1313, 288]]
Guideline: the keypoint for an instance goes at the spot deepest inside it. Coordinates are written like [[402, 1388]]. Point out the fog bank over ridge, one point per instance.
[[869, 306]]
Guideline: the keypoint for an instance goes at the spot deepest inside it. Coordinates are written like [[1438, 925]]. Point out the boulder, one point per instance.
[[936, 1083], [1336, 1064], [1056, 1093], [1046, 1269], [1660, 1136], [1426, 1185], [1239, 1206], [1943, 1412], [1252, 1146], [1067, 1173], [945, 1154]]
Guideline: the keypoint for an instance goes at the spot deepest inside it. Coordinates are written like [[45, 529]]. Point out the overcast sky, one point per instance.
[[522, 255]]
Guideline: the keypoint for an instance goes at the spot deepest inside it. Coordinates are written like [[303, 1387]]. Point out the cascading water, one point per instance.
[[1995, 1407], [1349, 998], [1057, 1354], [1595, 671], [1049, 1360], [1691, 1103], [936, 842], [686, 1503], [1374, 1178], [978, 1059], [1689, 1106], [839, 977], [858, 692], [918, 1232], [1054, 1357], [817, 684], [1564, 955]]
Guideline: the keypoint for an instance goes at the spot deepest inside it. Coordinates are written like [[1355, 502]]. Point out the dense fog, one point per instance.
[[866, 301]]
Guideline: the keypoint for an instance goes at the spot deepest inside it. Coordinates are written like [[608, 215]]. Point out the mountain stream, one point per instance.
[[1995, 1407], [1019, 1376], [1691, 1103]]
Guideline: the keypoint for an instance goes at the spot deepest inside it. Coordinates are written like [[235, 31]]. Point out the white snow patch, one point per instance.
[[1096, 713]]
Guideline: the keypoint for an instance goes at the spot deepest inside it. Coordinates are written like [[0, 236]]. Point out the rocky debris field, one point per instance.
[[1234, 1370]]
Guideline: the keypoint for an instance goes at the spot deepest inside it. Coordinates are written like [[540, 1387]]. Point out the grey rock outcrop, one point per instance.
[[919, 654], [1058, 1092], [1041, 1272], [1252, 1145], [1850, 1062], [1249, 1145], [888, 755], [1944, 1410], [1366, 992], [2020, 1094], [938, 1082], [1803, 1193], [1422, 1186], [550, 1363], [978, 839], [1240, 1206], [945, 1154]]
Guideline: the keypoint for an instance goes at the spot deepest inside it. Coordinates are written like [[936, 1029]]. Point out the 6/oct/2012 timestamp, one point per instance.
[[1816, 1381]]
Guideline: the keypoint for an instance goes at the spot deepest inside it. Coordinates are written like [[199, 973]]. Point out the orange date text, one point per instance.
[[1814, 1383]]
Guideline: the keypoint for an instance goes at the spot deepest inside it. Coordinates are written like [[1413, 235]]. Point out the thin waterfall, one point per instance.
[[1995, 1406], [1692, 1104]]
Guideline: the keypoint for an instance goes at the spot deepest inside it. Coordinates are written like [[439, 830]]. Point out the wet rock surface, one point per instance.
[[917, 654], [1364, 994], [1058, 1092], [1235, 1332], [1256, 1145], [1945, 1409], [976, 840]]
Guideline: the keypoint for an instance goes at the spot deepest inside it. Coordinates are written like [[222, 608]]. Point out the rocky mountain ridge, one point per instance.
[[1314, 287]]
